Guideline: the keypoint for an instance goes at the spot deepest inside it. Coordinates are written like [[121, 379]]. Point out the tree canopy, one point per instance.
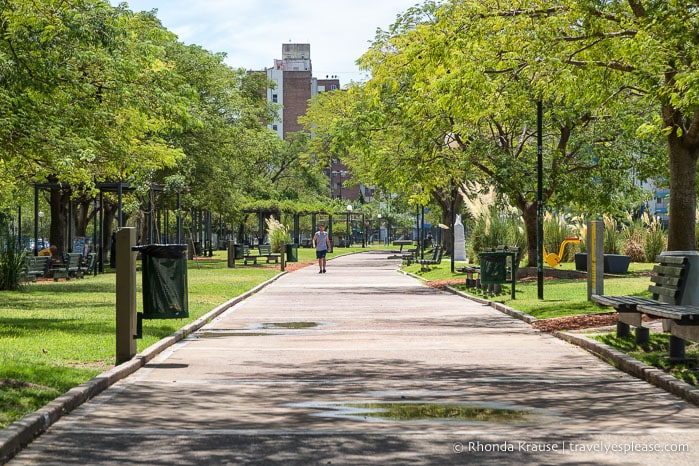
[[453, 97], [92, 93]]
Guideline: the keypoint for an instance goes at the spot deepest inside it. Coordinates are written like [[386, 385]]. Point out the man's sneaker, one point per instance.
[[323, 270]]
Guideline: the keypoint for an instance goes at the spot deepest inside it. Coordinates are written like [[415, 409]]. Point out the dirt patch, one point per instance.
[[293, 266], [576, 322], [440, 284], [19, 384]]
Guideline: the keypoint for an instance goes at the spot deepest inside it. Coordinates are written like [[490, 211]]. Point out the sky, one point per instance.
[[251, 32]]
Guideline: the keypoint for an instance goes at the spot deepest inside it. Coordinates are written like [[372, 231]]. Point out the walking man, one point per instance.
[[321, 243]]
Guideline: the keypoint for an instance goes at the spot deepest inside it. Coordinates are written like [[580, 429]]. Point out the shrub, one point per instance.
[[655, 241], [12, 264], [278, 234], [633, 238], [612, 236]]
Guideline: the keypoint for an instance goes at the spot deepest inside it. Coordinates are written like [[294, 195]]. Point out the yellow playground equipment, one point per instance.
[[554, 259]]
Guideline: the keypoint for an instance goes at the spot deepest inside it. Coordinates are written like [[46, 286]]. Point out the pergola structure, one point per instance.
[[104, 187]]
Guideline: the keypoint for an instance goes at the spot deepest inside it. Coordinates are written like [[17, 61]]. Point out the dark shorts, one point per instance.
[[321, 254]]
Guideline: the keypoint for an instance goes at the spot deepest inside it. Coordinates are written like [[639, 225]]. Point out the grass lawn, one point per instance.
[[655, 354]]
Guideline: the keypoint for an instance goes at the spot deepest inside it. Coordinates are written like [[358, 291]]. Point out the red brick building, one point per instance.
[[294, 87]]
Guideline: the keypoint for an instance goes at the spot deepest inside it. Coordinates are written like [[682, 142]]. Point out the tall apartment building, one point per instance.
[[294, 87]]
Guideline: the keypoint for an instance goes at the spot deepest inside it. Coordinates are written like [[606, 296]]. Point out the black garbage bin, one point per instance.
[[164, 281], [238, 251], [292, 253]]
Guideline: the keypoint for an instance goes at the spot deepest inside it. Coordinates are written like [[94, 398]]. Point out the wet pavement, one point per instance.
[[270, 381]]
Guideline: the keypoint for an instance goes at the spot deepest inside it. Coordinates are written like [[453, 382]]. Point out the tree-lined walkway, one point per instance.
[[268, 382]]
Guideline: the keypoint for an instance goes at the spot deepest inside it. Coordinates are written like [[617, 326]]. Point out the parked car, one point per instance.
[[42, 244]]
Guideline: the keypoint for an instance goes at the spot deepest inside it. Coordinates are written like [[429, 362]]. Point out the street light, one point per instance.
[[349, 213], [41, 225]]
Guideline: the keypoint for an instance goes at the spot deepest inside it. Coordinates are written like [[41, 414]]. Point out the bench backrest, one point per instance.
[[39, 264], [669, 279], [265, 249], [73, 260], [435, 252], [90, 262], [438, 255], [518, 254]]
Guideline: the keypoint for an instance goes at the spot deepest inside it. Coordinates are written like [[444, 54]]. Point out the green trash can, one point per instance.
[[238, 251], [493, 267], [164, 281], [292, 253]]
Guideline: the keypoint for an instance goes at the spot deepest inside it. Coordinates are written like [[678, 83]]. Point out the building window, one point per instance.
[[274, 127], [333, 87], [274, 98]]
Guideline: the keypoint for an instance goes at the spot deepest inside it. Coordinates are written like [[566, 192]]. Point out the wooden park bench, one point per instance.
[[401, 243], [248, 256], [70, 267], [436, 259], [410, 256], [266, 252], [37, 267], [88, 264], [668, 283]]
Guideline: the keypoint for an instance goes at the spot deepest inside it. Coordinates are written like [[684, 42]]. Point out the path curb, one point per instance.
[[20, 433], [616, 358]]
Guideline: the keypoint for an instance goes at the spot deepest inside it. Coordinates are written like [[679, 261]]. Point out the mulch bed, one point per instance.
[[578, 322]]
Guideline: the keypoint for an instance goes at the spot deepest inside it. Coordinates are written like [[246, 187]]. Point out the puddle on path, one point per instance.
[[228, 334], [254, 330], [420, 411], [289, 325], [423, 410]]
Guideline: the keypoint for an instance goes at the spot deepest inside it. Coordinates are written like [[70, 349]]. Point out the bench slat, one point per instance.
[[666, 281], [678, 260], [670, 270], [672, 312], [668, 294]]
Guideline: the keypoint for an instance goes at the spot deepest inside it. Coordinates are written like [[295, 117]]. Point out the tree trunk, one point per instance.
[[683, 195], [683, 153], [82, 214], [58, 200], [450, 203], [528, 209]]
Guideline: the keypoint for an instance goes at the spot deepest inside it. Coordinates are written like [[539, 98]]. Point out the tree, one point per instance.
[[452, 100], [89, 94], [656, 44]]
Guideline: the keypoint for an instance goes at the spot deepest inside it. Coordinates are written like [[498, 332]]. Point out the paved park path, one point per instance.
[[250, 389]]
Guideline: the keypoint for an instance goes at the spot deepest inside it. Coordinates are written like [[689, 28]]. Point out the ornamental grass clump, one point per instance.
[[12, 264], [493, 224], [655, 241], [278, 234]]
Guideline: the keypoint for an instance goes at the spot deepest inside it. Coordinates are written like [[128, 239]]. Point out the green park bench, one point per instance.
[[668, 284]]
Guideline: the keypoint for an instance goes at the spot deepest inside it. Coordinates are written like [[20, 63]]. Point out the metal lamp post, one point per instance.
[[349, 216]]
